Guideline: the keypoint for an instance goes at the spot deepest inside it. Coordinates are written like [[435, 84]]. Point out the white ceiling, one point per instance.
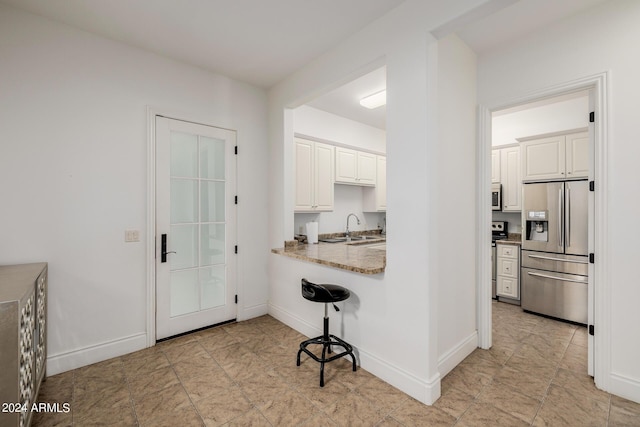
[[516, 20], [345, 100], [256, 41], [261, 42]]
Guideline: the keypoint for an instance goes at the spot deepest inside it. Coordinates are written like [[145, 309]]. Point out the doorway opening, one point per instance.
[[339, 153], [594, 88]]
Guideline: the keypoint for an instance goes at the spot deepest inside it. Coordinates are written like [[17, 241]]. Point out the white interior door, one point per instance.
[[195, 226]]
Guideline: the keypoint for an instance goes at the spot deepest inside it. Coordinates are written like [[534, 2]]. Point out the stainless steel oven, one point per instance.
[[496, 197]]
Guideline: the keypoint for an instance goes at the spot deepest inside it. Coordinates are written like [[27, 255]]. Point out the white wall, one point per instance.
[[310, 121], [456, 148], [602, 39], [557, 117], [333, 129], [392, 318], [73, 176], [348, 199]]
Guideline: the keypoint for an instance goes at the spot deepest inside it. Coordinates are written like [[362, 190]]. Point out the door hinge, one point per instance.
[[235, 150], [592, 258], [592, 117], [236, 298], [236, 200], [592, 186], [236, 249], [591, 330]]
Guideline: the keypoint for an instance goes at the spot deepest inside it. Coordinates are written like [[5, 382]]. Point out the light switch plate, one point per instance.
[[131, 236]]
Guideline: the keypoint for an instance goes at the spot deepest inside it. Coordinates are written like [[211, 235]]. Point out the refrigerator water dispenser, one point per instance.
[[537, 226]]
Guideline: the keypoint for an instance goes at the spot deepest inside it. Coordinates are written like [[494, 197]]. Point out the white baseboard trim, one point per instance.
[[457, 354], [625, 387], [250, 312], [63, 362], [424, 391]]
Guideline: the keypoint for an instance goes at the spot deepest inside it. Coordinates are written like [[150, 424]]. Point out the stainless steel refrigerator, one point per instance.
[[554, 279]]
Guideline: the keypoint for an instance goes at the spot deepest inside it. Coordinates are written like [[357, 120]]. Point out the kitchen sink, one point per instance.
[[334, 240]]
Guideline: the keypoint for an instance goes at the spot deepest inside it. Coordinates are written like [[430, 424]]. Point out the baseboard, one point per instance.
[[625, 387], [457, 354], [96, 353], [424, 391], [250, 312]]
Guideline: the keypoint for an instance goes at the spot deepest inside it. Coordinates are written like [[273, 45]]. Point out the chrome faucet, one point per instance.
[[348, 233]]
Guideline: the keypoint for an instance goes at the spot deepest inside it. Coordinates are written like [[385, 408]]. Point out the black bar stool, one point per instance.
[[326, 294]]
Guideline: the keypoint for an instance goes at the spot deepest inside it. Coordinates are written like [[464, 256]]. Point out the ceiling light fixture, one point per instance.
[[376, 100]]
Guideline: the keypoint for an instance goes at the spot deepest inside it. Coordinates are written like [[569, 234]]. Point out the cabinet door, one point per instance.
[[323, 177], [495, 166], [511, 179], [346, 165], [381, 183], [304, 166], [577, 155], [543, 158], [375, 199], [366, 169]]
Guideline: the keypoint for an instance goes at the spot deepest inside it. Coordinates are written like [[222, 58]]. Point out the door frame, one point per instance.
[[150, 241], [600, 295]]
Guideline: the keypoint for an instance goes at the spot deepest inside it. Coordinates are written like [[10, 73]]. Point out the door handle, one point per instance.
[[562, 279], [163, 249], [560, 218], [568, 217], [558, 259]]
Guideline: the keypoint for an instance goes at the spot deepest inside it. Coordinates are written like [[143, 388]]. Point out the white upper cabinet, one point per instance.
[[543, 158], [375, 199], [577, 155], [556, 157], [511, 179], [495, 166], [355, 167], [314, 171]]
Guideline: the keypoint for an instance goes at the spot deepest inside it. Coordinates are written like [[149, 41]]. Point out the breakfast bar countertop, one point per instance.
[[353, 256]]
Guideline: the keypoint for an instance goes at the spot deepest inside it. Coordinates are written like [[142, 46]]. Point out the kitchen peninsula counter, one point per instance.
[[354, 256]]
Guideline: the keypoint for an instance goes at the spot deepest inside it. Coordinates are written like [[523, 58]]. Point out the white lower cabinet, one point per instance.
[[508, 271]]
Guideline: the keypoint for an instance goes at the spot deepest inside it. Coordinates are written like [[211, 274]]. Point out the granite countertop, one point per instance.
[[358, 256], [512, 239]]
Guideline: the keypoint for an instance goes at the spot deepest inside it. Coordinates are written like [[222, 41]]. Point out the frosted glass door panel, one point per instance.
[[184, 201], [212, 197], [212, 155], [195, 211], [184, 155], [185, 293], [212, 286], [212, 244], [184, 242]]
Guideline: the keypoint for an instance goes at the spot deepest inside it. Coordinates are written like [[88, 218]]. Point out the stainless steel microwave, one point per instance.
[[496, 197]]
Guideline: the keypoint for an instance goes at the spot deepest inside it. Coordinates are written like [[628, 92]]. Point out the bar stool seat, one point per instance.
[[326, 294]]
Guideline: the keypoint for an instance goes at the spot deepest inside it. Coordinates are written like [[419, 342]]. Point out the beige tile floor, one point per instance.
[[244, 374]]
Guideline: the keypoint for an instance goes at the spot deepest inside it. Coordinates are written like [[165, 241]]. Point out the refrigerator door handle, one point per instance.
[[568, 219], [562, 279], [560, 218], [558, 259]]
